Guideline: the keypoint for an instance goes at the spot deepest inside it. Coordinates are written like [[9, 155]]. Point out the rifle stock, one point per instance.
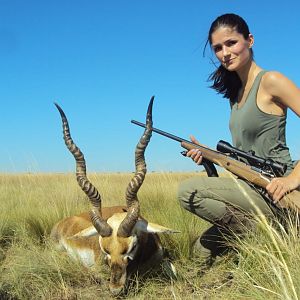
[[230, 164], [238, 168]]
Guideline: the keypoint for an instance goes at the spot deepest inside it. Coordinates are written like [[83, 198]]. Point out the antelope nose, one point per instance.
[[116, 291]]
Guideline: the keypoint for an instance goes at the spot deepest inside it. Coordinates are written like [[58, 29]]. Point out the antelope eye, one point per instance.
[[106, 251], [130, 257], [133, 249], [124, 252]]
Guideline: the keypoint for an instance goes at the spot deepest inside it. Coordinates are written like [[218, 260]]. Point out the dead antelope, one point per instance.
[[128, 242]]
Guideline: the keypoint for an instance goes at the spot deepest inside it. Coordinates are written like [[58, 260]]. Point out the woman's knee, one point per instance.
[[194, 197], [194, 189], [186, 192]]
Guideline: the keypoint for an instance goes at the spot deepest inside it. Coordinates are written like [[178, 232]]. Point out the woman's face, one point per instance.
[[231, 48]]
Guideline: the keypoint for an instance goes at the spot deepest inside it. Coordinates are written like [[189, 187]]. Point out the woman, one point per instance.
[[259, 101]]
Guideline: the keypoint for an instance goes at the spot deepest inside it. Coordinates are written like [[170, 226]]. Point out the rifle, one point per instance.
[[245, 165]]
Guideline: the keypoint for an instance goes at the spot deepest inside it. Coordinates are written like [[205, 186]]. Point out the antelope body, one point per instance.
[[127, 241]]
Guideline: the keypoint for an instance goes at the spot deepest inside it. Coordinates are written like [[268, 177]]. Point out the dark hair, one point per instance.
[[227, 82]]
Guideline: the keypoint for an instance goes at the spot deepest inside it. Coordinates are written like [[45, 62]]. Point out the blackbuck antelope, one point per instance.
[[128, 242]]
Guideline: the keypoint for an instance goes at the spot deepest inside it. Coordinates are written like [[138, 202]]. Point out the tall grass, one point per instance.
[[30, 268], [269, 260]]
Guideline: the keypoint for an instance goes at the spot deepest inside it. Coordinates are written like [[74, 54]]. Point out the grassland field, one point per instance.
[[266, 265]]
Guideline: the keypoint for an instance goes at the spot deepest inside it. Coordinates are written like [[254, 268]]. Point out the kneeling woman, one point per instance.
[[259, 101]]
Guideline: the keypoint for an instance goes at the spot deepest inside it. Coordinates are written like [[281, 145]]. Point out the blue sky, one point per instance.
[[103, 60]]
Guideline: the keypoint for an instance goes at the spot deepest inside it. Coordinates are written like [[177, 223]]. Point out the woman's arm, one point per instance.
[[280, 186], [283, 91], [287, 94]]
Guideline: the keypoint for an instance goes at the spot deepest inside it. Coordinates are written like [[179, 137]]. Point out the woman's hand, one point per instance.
[[195, 154], [280, 186]]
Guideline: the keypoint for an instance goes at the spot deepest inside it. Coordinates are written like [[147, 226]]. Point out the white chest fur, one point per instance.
[[85, 255]]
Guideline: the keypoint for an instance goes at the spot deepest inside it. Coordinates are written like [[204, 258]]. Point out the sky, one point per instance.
[[101, 61]]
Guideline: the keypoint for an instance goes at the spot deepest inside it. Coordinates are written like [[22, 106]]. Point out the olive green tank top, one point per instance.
[[263, 133]]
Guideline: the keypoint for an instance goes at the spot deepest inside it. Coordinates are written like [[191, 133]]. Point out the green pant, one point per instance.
[[227, 203]]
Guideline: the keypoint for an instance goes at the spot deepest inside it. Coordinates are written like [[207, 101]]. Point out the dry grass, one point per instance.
[[30, 268]]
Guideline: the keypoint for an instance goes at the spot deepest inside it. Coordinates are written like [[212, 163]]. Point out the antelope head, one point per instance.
[[122, 236]]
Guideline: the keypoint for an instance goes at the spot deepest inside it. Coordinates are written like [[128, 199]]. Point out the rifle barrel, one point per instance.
[[169, 135], [180, 140]]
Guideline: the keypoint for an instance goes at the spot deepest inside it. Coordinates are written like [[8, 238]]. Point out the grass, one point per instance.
[[30, 268]]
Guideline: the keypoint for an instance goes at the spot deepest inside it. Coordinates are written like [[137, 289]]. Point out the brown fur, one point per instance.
[[70, 226]]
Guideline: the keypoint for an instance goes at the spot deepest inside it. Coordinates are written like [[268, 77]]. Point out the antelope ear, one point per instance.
[[144, 226], [88, 232]]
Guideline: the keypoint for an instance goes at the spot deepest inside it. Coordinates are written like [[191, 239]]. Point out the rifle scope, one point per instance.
[[277, 168]]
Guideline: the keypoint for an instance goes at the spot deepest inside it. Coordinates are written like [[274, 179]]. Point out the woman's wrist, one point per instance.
[[294, 179]]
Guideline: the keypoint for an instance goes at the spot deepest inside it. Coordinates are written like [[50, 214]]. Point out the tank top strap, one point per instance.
[[253, 89], [255, 85]]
